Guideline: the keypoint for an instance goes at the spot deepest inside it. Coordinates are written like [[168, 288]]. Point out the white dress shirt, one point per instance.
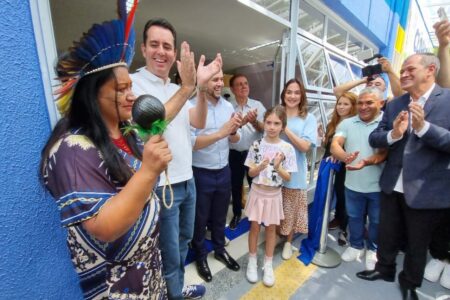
[[422, 100]]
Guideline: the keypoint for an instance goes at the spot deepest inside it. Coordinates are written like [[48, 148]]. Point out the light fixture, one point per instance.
[[263, 45]]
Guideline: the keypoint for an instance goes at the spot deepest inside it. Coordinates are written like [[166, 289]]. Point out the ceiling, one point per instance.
[[210, 26]]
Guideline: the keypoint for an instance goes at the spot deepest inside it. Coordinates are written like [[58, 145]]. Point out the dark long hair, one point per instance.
[[84, 113], [303, 105]]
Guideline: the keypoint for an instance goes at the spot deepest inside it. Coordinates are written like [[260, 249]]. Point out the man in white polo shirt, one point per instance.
[[177, 223]]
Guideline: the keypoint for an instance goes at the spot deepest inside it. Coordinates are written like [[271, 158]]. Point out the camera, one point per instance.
[[371, 71]]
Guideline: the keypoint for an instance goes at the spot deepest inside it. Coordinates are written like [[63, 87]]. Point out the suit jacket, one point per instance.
[[426, 160]]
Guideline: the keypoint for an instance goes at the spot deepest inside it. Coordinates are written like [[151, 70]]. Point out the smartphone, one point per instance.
[[442, 14]]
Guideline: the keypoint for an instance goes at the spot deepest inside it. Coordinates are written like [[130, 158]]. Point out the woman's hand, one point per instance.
[[156, 155]]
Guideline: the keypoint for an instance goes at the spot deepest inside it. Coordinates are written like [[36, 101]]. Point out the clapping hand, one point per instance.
[[250, 117], [231, 125], [400, 125], [205, 73], [263, 164], [417, 116], [186, 66], [279, 157]]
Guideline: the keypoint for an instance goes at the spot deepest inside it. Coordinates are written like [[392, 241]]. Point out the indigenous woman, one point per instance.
[[301, 132], [102, 180]]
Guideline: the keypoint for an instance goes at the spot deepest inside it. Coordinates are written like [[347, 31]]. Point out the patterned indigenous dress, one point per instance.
[[128, 268]]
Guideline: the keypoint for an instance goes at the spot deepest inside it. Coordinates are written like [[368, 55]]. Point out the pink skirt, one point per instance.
[[264, 206]]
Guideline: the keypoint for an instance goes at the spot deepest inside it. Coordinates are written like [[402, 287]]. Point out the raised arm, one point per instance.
[[394, 80], [345, 87], [186, 69], [442, 30], [197, 114]]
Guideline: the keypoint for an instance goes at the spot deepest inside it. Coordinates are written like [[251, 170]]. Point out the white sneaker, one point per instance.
[[371, 260], [445, 277], [287, 251], [433, 270], [351, 254], [269, 277], [252, 270]]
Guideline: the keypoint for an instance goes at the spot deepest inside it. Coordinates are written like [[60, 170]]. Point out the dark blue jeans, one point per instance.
[[213, 196], [177, 226], [358, 206]]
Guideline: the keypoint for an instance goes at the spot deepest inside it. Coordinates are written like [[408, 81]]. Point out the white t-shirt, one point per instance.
[[177, 134], [260, 150]]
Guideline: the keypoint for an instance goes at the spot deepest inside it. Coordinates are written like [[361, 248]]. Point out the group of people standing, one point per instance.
[[108, 184], [395, 167]]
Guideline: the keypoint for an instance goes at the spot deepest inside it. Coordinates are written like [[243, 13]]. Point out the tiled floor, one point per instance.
[[295, 281]]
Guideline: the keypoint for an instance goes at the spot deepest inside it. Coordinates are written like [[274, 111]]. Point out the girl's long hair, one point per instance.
[[336, 119], [303, 105], [84, 114]]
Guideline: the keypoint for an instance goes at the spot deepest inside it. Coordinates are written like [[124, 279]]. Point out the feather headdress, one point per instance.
[[104, 46]]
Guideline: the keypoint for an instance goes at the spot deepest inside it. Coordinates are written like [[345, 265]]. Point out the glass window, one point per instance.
[[340, 69], [356, 70], [336, 36], [329, 107], [354, 45], [314, 64], [278, 7], [310, 20]]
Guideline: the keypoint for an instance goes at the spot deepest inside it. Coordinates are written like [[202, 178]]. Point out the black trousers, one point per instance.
[[339, 189], [440, 241], [238, 171], [401, 225]]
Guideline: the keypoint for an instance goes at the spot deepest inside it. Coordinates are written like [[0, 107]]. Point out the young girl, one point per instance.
[[270, 161], [345, 108], [301, 133]]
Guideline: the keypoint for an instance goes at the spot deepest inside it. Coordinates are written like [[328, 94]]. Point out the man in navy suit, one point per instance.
[[415, 182]]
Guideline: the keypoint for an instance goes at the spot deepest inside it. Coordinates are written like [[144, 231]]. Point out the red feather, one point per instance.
[[130, 20]]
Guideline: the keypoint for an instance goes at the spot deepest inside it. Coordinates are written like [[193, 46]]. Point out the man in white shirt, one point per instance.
[[251, 130], [177, 223]]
